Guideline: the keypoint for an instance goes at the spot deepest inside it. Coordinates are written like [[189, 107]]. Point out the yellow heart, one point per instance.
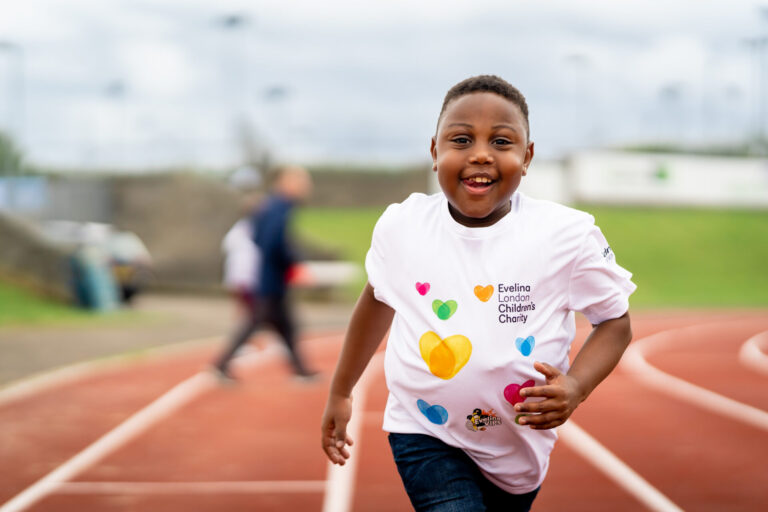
[[445, 357], [483, 292]]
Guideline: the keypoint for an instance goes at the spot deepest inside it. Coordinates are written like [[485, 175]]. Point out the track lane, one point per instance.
[[696, 460], [708, 356]]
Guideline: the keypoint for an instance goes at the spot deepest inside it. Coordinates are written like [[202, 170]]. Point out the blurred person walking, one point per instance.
[[277, 260]]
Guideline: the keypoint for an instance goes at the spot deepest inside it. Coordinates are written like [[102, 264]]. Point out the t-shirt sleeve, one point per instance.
[[599, 288], [377, 260]]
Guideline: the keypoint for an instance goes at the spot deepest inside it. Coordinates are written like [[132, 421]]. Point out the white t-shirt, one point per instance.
[[241, 256], [475, 307]]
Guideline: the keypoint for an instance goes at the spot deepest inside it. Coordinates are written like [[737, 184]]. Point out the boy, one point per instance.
[[479, 285]]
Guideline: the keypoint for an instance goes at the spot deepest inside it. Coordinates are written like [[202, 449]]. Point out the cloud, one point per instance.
[[363, 78]]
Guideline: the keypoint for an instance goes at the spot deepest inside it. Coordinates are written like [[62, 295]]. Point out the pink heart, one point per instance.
[[512, 392], [422, 288]]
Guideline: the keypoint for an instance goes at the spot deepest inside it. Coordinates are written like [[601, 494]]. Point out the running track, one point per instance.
[[682, 424]]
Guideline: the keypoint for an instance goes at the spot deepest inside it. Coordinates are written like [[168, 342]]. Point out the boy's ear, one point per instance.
[[433, 152], [528, 158]]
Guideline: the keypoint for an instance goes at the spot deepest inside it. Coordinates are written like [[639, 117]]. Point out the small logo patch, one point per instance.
[[480, 420]]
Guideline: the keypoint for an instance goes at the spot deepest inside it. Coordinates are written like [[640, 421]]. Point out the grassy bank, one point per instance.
[[20, 307], [679, 257], [691, 257]]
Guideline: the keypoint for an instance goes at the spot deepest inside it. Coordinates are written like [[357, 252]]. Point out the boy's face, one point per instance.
[[480, 152]]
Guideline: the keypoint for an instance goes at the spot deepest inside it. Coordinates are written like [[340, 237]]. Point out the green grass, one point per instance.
[[679, 257], [346, 231], [20, 307], [691, 257]]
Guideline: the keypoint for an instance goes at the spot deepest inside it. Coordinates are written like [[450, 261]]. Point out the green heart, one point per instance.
[[444, 310]]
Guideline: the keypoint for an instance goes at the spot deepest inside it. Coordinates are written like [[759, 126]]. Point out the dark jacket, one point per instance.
[[277, 254]]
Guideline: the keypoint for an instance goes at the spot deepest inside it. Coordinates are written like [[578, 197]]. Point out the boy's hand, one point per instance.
[[338, 411], [562, 395]]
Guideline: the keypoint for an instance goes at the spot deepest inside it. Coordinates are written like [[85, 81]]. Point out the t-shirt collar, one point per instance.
[[467, 232]]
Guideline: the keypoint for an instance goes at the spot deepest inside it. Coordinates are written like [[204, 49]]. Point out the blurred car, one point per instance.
[[124, 252]]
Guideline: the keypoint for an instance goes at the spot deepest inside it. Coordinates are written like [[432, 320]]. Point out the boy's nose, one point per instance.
[[481, 157]]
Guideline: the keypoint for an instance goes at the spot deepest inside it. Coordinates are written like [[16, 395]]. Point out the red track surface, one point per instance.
[[267, 430]]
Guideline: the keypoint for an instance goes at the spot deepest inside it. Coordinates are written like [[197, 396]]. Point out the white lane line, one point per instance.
[[37, 383], [634, 363], [340, 481], [131, 428], [243, 487], [614, 468], [751, 354], [134, 426]]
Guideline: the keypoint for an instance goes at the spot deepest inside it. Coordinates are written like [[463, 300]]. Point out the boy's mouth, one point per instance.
[[478, 183]]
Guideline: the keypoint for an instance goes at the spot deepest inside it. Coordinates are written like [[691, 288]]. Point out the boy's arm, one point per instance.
[[564, 392], [367, 327]]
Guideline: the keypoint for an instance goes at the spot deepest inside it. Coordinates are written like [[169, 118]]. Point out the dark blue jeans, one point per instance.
[[441, 478]]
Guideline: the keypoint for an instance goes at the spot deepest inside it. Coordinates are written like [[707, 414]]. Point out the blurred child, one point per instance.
[[241, 259], [478, 285]]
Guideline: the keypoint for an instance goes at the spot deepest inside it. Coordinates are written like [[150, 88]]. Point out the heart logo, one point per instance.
[[434, 413], [512, 392], [422, 288], [525, 346], [444, 357], [444, 310], [483, 292]]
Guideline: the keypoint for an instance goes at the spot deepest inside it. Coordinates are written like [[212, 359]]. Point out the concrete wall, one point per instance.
[[26, 258], [79, 199], [182, 219], [367, 188], [73, 198]]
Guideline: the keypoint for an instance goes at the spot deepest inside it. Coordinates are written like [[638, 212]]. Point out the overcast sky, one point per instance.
[[146, 84]]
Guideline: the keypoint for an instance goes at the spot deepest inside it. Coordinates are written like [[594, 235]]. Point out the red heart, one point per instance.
[[512, 392], [422, 288]]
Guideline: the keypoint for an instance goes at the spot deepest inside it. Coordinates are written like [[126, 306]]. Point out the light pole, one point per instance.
[[15, 102], [116, 92], [758, 46], [240, 100]]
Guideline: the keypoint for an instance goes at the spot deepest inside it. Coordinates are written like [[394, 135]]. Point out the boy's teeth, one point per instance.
[[480, 179]]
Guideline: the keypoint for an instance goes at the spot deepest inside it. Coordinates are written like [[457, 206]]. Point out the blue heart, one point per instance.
[[525, 346], [434, 413]]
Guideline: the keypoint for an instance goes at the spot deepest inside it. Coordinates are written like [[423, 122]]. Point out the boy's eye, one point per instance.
[[460, 140], [502, 142]]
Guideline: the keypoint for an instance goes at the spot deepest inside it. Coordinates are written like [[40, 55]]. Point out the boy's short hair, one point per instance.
[[487, 83]]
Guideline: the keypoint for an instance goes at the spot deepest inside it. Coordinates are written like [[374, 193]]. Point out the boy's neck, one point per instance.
[[475, 222]]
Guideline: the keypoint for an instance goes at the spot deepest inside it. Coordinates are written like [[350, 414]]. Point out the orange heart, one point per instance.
[[483, 292]]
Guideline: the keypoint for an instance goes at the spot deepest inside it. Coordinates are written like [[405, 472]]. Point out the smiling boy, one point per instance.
[[433, 267]]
